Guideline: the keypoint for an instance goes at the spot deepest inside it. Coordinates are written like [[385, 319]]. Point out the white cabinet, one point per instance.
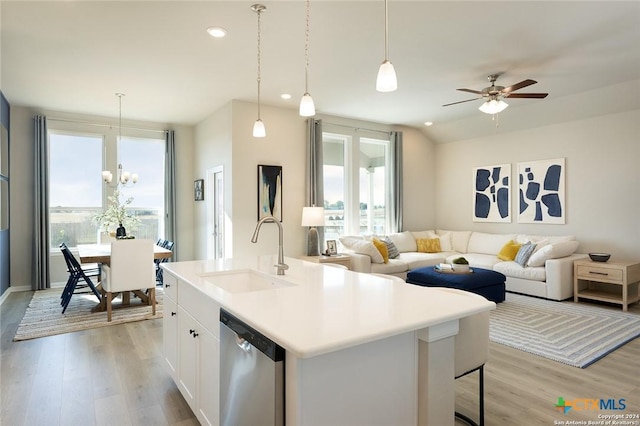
[[192, 347]]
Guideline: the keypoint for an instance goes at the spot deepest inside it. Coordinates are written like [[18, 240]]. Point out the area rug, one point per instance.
[[577, 334], [44, 317]]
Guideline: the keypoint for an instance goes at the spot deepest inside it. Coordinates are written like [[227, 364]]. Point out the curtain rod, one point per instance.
[[356, 128], [70, 120]]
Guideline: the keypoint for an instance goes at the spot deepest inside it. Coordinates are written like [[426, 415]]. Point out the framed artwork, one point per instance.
[[541, 192], [270, 191], [331, 247], [491, 189], [198, 190]]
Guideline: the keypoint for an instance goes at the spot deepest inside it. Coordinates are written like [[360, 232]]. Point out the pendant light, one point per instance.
[[307, 108], [386, 81], [259, 130], [123, 177]]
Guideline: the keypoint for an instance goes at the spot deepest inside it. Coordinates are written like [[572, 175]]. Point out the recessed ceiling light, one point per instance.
[[217, 32], [428, 123], [286, 96]]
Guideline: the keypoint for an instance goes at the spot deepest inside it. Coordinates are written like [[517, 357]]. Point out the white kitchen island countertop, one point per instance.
[[327, 309]]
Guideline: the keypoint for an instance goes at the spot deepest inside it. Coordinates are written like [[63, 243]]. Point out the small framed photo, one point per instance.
[[331, 247], [198, 190]]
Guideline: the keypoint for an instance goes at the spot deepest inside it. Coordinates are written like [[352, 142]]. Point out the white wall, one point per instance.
[[602, 184]]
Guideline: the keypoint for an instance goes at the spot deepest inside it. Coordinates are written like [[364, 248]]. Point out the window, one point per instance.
[[75, 189], [356, 181], [77, 193]]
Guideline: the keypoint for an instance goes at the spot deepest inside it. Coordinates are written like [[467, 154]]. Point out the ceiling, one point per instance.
[[73, 56]]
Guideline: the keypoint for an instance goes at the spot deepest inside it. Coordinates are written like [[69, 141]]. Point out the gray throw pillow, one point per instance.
[[525, 252], [391, 248]]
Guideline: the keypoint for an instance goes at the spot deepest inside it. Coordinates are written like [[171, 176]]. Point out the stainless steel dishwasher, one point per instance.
[[251, 376]]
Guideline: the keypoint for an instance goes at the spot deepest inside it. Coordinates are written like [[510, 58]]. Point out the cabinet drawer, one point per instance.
[[595, 273], [202, 308], [170, 285]]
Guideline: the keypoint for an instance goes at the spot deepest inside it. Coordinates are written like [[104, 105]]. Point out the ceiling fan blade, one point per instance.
[[460, 102], [477, 92], [528, 95], [517, 86]]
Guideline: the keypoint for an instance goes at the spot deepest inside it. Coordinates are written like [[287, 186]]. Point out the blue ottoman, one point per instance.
[[484, 282]]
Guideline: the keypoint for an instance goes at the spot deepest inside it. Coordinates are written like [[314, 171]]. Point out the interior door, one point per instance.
[[215, 213]]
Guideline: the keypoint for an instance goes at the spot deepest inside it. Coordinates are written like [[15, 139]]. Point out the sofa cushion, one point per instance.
[[445, 241], [509, 250], [415, 260], [424, 234], [394, 266], [525, 252], [404, 241], [483, 243], [552, 251], [459, 239], [428, 245], [513, 269], [382, 248], [391, 248], [361, 246]]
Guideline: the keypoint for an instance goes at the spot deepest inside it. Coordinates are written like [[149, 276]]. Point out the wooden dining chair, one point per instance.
[[131, 268], [79, 281]]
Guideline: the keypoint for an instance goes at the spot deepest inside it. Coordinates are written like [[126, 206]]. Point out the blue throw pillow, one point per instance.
[[391, 248], [525, 252]]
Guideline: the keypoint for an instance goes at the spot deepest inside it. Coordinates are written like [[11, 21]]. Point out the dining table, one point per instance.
[[101, 254]]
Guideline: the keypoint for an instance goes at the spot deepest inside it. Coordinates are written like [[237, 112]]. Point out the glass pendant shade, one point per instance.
[[258, 129], [493, 106], [386, 81], [307, 107]]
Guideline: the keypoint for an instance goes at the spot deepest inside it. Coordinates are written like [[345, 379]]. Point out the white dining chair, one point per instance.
[[130, 268]]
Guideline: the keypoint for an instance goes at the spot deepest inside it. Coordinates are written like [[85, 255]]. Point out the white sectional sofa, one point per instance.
[[547, 274]]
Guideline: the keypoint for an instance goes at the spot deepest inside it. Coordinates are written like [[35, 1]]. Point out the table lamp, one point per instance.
[[312, 217]]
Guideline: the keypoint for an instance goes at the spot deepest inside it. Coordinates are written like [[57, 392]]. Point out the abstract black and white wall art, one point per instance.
[[541, 192], [270, 191], [491, 188]]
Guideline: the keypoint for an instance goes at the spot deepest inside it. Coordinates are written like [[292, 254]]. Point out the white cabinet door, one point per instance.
[[188, 356], [170, 335], [208, 378]]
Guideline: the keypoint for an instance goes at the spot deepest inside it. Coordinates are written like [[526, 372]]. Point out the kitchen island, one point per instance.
[[360, 349]]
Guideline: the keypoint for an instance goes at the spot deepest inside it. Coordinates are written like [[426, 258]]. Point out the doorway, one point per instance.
[[214, 187]]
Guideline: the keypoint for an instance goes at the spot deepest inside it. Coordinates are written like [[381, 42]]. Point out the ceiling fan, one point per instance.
[[494, 95]]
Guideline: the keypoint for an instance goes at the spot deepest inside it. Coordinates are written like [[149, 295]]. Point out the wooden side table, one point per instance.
[[342, 259], [613, 282]]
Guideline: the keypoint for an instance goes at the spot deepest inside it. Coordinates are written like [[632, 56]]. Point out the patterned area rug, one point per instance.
[[44, 317], [577, 334]]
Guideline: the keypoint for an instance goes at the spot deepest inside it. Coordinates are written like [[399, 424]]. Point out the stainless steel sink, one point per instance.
[[245, 281]]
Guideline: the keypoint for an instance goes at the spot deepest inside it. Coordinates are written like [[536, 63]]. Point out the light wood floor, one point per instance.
[[116, 376]]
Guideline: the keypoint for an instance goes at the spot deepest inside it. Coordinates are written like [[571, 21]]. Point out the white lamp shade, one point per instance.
[[493, 106], [386, 81], [107, 176], [307, 107], [313, 216], [258, 129]]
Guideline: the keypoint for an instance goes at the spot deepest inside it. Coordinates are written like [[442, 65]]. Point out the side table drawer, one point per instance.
[[593, 272]]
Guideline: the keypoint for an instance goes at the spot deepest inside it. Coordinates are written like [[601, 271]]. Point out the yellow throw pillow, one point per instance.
[[509, 251], [429, 245], [382, 248]]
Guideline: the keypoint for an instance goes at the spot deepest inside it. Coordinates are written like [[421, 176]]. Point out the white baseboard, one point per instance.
[[10, 290]]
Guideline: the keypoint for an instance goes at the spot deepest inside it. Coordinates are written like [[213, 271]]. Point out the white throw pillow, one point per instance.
[[552, 251], [361, 246], [445, 241], [404, 241], [424, 235]]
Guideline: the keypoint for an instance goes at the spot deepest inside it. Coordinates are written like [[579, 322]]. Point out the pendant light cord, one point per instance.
[[306, 50], [259, 12], [386, 31]]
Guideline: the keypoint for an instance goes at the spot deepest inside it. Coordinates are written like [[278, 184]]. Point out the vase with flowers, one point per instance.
[[116, 216]]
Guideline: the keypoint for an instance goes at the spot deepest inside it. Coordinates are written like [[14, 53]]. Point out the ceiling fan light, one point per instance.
[[258, 129], [493, 106], [386, 81], [307, 107]]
